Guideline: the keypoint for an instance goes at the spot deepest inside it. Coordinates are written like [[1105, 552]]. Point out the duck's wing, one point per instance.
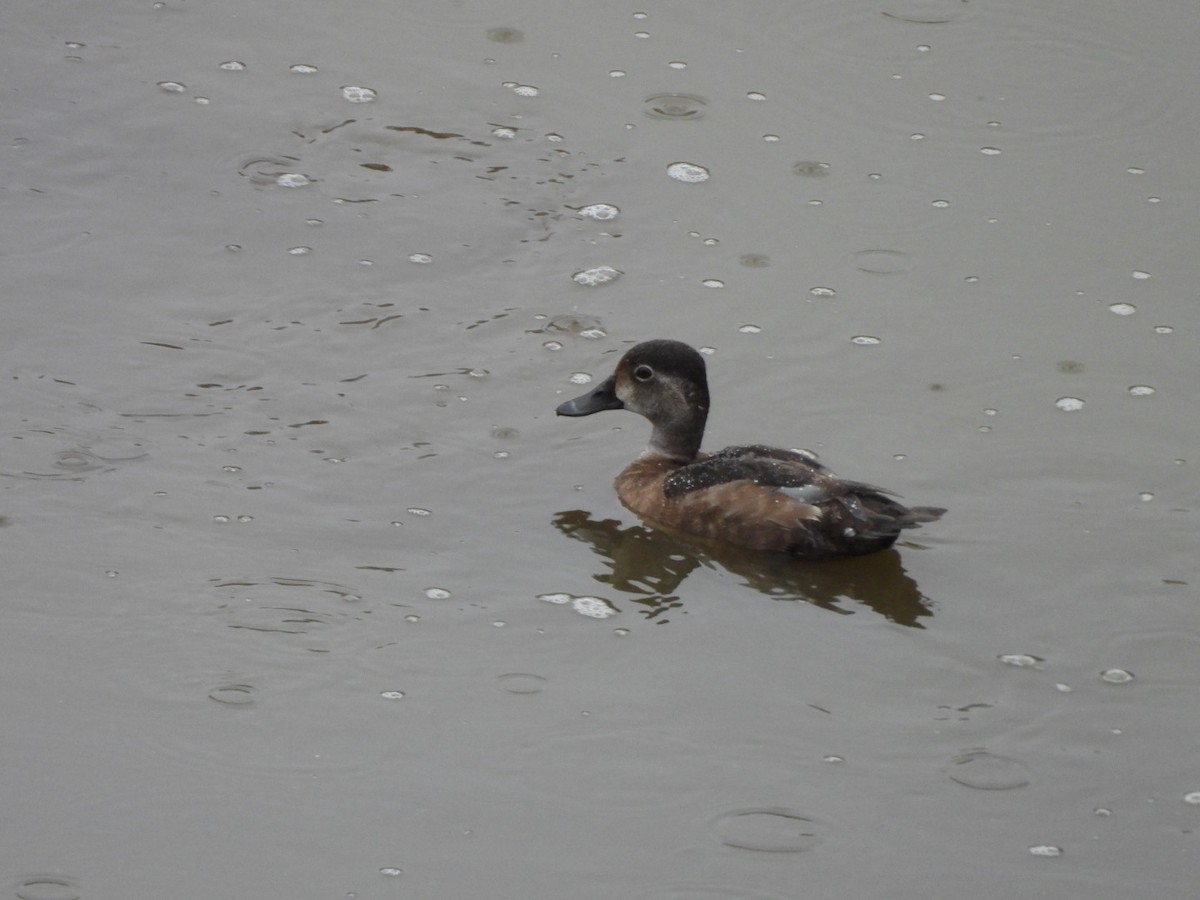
[[765, 466], [867, 509]]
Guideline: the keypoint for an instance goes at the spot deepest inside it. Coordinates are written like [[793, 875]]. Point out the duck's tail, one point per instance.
[[920, 515]]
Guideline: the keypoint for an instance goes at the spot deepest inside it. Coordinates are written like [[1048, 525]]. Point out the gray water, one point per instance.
[[310, 594]]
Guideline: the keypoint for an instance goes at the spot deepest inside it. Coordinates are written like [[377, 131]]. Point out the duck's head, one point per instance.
[[666, 382]]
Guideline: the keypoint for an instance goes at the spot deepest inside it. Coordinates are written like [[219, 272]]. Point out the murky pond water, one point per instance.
[[309, 592]]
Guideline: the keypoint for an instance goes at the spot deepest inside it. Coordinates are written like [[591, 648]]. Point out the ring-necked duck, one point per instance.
[[757, 497]]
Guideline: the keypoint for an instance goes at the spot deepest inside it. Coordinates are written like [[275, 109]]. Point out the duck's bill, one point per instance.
[[602, 397]]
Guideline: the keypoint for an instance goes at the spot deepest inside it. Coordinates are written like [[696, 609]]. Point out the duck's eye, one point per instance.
[[643, 373]]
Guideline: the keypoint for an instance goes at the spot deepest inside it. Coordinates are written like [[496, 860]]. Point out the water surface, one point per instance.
[[311, 594]]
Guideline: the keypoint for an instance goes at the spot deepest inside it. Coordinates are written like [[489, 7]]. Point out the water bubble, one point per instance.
[[1136, 170], [594, 607], [601, 212], [831, 758], [525, 90], [771, 138], [1102, 812], [578, 325], [437, 593], [756, 96], [418, 511], [1045, 850], [423, 259], [557, 599], [596, 276], [554, 138], [76, 460], [1146, 496], [292, 180], [521, 683], [990, 151], [940, 204], [552, 345], [299, 251], [773, 829], [172, 87], [917, 136], [1140, 275], [580, 378], [47, 887], [234, 694], [356, 94], [1020, 660], [749, 329], [811, 168], [1193, 798], [392, 695], [220, 520], [1163, 329], [822, 292], [617, 73], [675, 106], [505, 35], [1141, 390], [1116, 676], [677, 64], [504, 133], [302, 69], [687, 172], [882, 262], [233, 65], [1069, 404], [1122, 309], [938, 98], [713, 283], [391, 871], [865, 340], [986, 771], [641, 35]]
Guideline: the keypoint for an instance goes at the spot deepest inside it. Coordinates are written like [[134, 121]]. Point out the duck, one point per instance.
[[754, 497]]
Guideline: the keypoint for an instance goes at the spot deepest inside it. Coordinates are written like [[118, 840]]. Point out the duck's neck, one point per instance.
[[679, 439]]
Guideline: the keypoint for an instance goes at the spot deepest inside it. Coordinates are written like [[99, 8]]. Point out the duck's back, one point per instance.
[[765, 498]]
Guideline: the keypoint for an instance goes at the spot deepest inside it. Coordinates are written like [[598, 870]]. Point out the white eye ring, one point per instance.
[[643, 373]]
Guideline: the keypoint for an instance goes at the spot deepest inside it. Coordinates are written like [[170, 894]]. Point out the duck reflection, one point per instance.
[[650, 565]]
